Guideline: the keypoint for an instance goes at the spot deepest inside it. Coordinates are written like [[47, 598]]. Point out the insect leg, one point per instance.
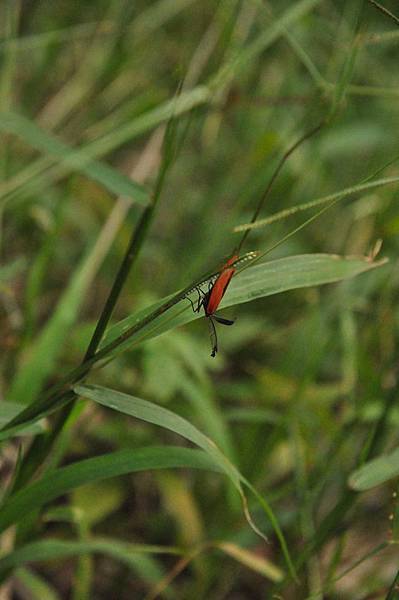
[[201, 298], [199, 301], [214, 339], [191, 302], [223, 321]]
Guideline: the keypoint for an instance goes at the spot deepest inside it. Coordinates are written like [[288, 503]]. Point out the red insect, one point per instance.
[[213, 297]]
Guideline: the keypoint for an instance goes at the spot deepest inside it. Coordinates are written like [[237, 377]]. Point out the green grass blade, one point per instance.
[[257, 281], [52, 549], [46, 348], [288, 212], [375, 472], [37, 586], [65, 479], [74, 159], [170, 108], [9, 410], [157, 415]]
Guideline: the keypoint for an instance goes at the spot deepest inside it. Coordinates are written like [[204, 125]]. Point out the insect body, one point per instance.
[[214, 296], [211, 299], [217, 286]]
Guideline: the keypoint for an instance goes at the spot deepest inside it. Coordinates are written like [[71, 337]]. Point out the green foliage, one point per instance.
[[137, 141], [375, 472]]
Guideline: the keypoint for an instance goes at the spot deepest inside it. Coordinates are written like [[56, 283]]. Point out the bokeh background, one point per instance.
[[303, 378]]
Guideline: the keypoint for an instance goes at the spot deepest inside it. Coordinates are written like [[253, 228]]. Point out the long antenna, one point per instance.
[[273, 178]]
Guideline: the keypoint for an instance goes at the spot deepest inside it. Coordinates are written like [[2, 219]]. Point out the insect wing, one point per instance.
[[218, 290]]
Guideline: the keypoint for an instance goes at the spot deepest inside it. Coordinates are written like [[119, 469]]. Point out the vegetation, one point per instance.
[[142, 144]]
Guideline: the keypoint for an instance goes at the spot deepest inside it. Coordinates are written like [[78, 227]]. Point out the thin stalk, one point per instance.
[[42, 445], [385, 11], [120, 279], [273, 178], [56, 393]]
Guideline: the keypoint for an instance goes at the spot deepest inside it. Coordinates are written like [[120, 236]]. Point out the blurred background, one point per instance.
[[302, 378]]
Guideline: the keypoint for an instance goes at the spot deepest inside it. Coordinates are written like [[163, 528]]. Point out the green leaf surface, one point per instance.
[[173, 107], [375, 472], [256, 281], [9, 410], [38, 587], [359, 188], [74, 159], [157, 415], [252, 561], [65, 479], [52, 549]]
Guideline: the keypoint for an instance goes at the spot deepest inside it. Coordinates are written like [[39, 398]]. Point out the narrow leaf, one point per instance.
[[65, 479], [53, 549], [251, 560], [9, 410], [46, 348], [256, 281], [375, 472], [288, 212], [38, 587], [75, 159], [157, 415]]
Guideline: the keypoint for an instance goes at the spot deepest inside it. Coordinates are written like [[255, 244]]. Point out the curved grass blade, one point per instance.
[[157, 415], [36, 585], [53, 549], [375, 472], [74, 159], [65, 479], [288, 212], [256, 563]]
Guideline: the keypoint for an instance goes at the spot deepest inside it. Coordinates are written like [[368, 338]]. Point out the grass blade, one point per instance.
[[74, 159], [157, 415], [288, 212], [37, 586], [9, 410], [65, 479], [375, 472], [53, 549], [257, 281]]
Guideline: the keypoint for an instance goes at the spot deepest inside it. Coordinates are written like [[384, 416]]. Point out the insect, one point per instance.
[[217, 284], [211, 299]]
